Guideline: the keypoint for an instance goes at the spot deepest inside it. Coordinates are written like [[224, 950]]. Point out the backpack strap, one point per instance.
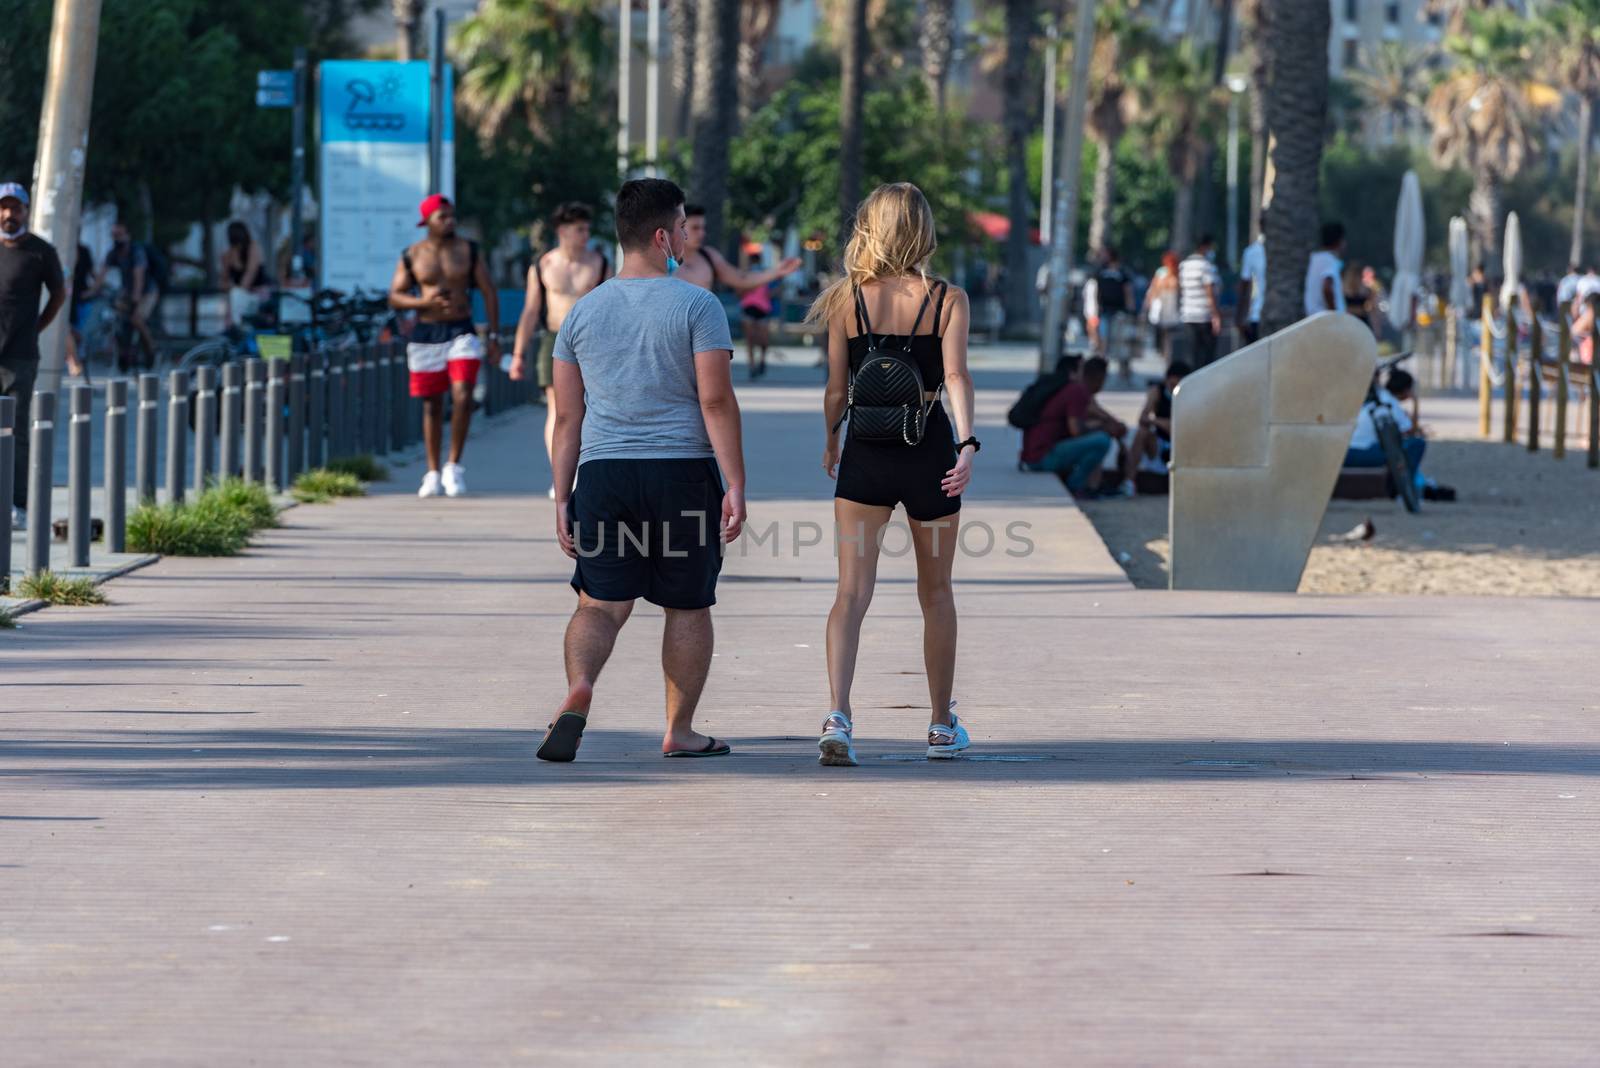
[[411, 275], [544, 303], [921, 311], [938, 311], [472, 259], [605, 268], [863, 321]]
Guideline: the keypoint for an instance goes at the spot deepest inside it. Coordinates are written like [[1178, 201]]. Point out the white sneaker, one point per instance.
[[455, 480], [945, 743], [19, 519], [431, 486], [835, 746]]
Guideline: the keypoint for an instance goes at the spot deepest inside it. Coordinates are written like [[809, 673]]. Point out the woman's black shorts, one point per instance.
[[890, 473]]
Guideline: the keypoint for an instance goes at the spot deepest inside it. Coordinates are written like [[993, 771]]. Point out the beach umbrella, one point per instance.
[[1512, 262], [1460, 291], [1408, 242]]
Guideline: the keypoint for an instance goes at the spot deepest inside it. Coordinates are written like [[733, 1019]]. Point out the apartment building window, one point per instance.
[[1391, 13], [1352, 10], [1352, 53]]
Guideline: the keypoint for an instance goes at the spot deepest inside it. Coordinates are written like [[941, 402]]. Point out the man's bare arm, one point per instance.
[[740, 281], [58, 296], [528, 321], [1329, 300], [491, 303], [720, 408]]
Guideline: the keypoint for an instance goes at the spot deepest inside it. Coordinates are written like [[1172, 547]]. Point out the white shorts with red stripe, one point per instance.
[[441, 353]]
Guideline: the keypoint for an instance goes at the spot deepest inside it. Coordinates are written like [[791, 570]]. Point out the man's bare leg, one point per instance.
[[685, 661], [591, 635], [432, 429], [460, 418]]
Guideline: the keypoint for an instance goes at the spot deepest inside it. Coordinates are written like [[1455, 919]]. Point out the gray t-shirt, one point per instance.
[[634, 339]]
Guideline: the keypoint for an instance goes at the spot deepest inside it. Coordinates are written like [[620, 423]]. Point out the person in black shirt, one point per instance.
[[28, 266], [1114, 293]]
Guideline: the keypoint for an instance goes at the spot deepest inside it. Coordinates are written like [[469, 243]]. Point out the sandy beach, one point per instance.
[[1525, 524]]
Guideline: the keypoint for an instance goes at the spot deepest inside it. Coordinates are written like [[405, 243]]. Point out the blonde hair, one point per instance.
[[892, 237]]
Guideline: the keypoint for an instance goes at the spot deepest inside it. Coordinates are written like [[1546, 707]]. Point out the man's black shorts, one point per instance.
[[648, 528]]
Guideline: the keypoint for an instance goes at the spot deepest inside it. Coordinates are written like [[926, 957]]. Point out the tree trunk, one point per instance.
[[1105, 192], [1296, 45], [1182, 241], [1488, 217], [408, 27], [852, 88], [1258, 141], [715, 107], [757, 19], [1580, 199], [938, 43], [684, 33], [1204, 208], [1017, 95]]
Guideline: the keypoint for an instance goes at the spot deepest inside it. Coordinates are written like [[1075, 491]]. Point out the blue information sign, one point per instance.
[[281, 80], [274, 98]]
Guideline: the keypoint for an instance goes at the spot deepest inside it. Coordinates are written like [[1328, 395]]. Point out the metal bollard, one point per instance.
[[352, 403], [177, 434], [294, 460], [232, 413], [254, 379], [337, 366], [205, 427], [277, 388], [369, 401], [381, 422], [78, 476], [116, 472], [144, 432], [8, 457], [400, 393], [316, 413], [41, 463]]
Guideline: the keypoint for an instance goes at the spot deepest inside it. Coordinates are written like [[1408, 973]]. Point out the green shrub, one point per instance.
[[322, 485], [364, 467], [205, 528], [6, 621], [52, 588], [249, 499]]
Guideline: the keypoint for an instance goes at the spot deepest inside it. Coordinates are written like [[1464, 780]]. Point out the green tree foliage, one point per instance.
[[785, 163]]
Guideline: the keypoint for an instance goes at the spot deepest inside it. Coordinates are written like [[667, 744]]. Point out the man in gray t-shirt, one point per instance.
[[645, 417]]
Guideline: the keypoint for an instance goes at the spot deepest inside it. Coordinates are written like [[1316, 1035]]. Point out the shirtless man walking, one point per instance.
[[435, 278], [705, 267], [555, 282]]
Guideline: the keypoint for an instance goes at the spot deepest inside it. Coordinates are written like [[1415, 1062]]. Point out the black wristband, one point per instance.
[[977, 446]]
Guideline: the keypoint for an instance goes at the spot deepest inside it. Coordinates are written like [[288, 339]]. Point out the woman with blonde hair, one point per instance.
[[897, 335]]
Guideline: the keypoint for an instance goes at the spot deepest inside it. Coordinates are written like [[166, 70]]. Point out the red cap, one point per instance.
[[429, 205]]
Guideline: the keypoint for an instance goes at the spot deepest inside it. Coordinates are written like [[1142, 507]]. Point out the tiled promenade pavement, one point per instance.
[[283, 809]]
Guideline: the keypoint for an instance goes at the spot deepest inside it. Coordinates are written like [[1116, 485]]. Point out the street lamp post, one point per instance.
[[624, 81], [1047, 172], [1236, 87], [652, 86]]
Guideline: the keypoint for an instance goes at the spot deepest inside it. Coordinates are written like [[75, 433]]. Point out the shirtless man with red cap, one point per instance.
[[435, 278]]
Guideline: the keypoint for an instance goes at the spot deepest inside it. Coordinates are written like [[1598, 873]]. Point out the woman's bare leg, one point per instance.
[[859, 528], [936, 546]]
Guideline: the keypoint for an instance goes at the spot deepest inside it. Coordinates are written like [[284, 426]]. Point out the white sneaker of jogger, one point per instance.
[[431, 486], [455, 480]]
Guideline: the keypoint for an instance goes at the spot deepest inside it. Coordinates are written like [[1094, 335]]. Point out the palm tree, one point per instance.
[[938, 42], [535, 60], [408, 26], [1017, 94], [1250, 14], [715, 108], [1480, 114], [757, 20], [684, 33], [1296, 48], [1388, 85], [1119, 73], [1574, 29], [1184, 106], [852, 91]]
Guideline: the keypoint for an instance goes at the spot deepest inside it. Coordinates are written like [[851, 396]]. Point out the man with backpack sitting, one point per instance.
[[1073, 434]]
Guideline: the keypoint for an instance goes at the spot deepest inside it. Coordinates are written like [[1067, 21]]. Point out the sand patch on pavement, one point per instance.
[[1525, 525]]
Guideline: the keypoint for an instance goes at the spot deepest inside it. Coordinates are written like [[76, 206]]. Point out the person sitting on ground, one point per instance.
[[1074, 433], [1365, 448], [1153, 438]]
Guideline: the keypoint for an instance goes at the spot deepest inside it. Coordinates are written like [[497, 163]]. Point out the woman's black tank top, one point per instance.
[[927, 350]]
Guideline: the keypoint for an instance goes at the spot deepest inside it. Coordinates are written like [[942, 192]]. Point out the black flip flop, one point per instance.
[[560, 745], [712, 748]]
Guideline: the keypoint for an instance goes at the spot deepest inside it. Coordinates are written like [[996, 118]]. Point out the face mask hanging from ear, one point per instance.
[[672, 261]]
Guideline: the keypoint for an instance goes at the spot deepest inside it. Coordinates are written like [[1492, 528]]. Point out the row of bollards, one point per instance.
[[265, 421]]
